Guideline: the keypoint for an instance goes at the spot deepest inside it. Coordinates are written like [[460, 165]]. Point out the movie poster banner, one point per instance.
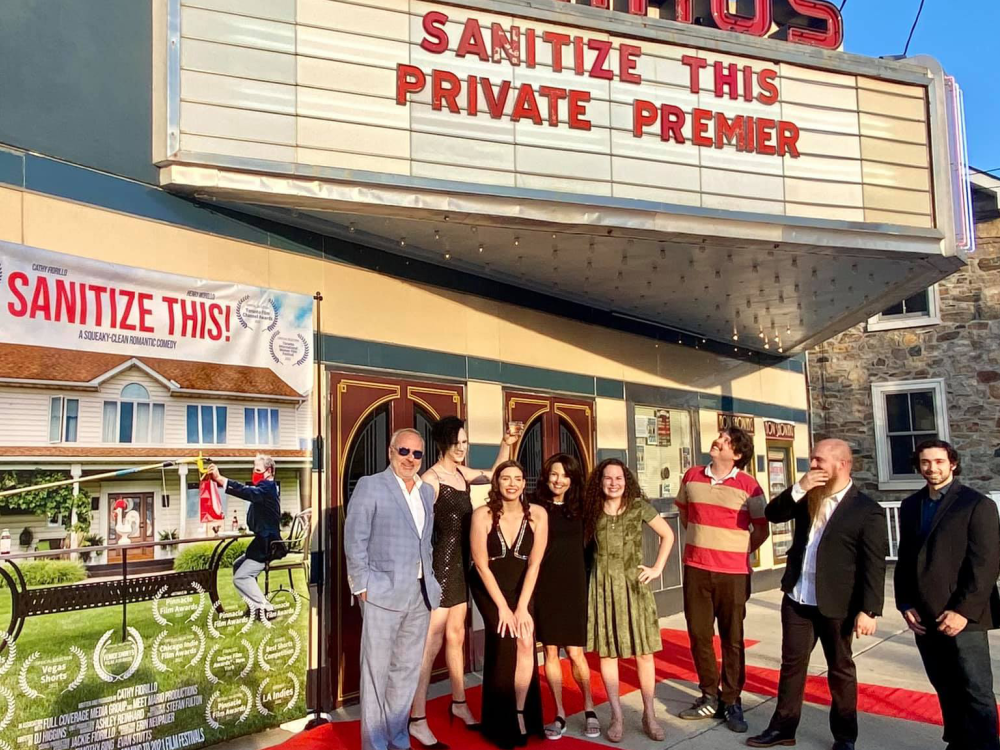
[[227, 370], [82, 304]]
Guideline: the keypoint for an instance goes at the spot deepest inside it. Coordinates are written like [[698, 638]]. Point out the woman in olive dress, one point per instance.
[[621, 611], [452, 519], [508, 543], [561, 593]]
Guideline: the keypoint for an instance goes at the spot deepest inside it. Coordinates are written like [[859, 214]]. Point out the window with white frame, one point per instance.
[[133, 418], [206, 423], [921, 309], [260, 426], [64, 419], [906, 413]]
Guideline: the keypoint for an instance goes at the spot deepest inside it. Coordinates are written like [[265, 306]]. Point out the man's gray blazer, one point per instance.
[[381, 543]]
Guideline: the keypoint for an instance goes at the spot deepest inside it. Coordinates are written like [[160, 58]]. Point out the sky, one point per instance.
[[967, 47]]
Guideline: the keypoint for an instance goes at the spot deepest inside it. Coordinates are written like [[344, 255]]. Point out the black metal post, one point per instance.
[[124, 592], [318, 700]]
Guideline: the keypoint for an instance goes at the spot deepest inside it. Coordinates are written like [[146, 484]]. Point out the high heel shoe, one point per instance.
[[436, 745], [471, 725], [522, 738]]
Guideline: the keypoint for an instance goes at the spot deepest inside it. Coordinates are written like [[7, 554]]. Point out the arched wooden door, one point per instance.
[[365, 411], [552, 424]]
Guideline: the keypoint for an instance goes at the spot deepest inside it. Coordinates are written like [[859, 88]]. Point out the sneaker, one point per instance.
[[734, 718], [703, 708]]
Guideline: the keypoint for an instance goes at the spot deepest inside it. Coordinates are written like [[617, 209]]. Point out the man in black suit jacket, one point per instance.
[[946, 588], [834, 586]]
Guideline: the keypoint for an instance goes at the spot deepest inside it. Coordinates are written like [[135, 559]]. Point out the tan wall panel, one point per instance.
[[892, 175], [819, 95], [583, 187], [277, 10], [892, 128], [342, 76], [891, 199], [10, 215], [242, 31], [367, 139], [888, 217], [894, 153], [824, 212], [225, 122], [448, 172], [830, 193], [331, 158], [611, 418], [261, 65], [352, 108], [485, 412], [888, 87], [892, 105], [228, 147], [645, 193], [356, 19], [241, 93], [736, 203], [65, 227]]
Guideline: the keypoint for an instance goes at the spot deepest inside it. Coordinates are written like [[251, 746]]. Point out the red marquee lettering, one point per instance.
[[436, 39]]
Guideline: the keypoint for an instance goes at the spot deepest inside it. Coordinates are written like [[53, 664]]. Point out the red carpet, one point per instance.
[[672, 663]]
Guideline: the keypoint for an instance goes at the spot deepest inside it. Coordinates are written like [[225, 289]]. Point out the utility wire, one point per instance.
[[843, 4], [913, 28]]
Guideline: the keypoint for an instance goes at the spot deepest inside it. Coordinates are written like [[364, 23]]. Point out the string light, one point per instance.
[[447, 255], [481, 247], [437, 234], [517, 241], [402, 241], [350, 227]]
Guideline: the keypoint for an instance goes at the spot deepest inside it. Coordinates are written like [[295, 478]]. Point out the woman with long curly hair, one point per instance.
[[561, 593], [508, 543], [621, 620]]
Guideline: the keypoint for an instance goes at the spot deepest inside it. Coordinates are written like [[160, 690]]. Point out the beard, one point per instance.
[[815, 498]]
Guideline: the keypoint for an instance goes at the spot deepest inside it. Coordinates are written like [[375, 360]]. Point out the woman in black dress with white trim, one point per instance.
[[508, 544], [561, 593]]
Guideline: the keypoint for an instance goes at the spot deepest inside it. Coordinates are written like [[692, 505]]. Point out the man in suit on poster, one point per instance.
[[834, 586], [946, 588], [387, 543]]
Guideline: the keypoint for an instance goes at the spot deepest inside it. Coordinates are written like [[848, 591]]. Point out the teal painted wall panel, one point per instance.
[[76, 82]]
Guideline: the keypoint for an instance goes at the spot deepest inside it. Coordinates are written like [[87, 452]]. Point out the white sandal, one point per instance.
[[556, 729]]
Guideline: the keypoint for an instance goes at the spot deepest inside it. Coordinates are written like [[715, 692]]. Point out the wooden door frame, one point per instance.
[[396, 387], [558, 405]]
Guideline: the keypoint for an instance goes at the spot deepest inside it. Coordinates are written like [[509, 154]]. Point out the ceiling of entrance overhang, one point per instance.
[[762, 296]]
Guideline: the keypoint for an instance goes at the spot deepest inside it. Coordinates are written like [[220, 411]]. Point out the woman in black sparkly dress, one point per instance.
[[452, 518], [561, 593]]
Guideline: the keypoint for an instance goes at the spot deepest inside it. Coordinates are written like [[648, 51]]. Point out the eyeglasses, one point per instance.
[[406, 452]]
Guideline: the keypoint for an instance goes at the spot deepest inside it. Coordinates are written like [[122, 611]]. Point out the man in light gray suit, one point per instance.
[[387, 543]]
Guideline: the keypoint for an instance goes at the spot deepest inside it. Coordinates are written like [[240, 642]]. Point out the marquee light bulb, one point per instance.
[[437, 234], [480, 247], [517, 241]]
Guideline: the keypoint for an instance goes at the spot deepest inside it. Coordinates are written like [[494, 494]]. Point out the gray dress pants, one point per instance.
[[392, 647]]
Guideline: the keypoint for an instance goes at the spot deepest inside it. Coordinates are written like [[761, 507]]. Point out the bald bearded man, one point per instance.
[[834, 586]]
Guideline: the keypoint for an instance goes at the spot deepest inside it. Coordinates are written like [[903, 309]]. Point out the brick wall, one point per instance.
[[964, 349]]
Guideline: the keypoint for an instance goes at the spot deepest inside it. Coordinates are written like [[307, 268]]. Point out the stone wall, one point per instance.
[[964, 349]]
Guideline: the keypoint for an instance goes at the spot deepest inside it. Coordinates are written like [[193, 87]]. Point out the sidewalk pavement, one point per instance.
[[890, 673]]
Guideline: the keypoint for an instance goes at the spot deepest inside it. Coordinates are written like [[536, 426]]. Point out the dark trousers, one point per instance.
[[711, 598], [801, 627], [959, 669]]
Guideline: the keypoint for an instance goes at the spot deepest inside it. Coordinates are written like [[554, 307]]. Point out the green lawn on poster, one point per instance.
[[54, 636]]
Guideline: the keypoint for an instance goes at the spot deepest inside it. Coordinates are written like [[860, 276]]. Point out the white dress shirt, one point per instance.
[[804, 591], [416, 506]]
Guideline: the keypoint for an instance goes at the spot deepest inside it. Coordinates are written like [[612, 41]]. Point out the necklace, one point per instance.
[[558, 502], [449, 473]]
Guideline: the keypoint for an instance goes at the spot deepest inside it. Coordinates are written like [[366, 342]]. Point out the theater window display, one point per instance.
[[619, 229]]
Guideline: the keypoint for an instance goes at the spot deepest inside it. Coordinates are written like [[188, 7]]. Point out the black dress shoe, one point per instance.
[[771, 738], [842, 745]]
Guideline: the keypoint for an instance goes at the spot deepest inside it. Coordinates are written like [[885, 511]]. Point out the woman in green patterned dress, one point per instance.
[[621, 618]]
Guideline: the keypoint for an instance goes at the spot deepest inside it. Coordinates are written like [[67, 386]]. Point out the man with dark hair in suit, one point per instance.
[[834, 586], [946, 576]]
